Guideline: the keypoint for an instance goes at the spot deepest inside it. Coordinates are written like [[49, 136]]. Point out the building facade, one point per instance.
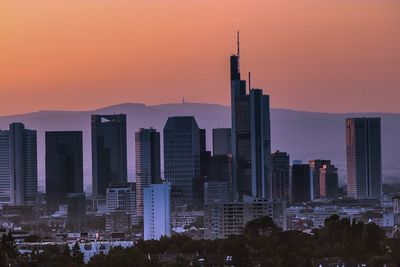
[[301, 185], [157, 211], [64, 166], [280, 175], [222, 141], [76, 203], [147, 157], [364, 159], [181, 156], [315, 166], [121, 197], [109, 151], [328, 181]]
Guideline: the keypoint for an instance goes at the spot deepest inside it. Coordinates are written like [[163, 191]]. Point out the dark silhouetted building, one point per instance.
[[205, 156], [109, 155], [301, 183], [364, 161], [181, 157], [315, 166], [64, 166], [148, 170], [222, 141], [280, 175], [251, 139], [76, 203], [328, 181]]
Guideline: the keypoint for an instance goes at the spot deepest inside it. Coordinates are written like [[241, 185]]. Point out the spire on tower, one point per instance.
[[238, 44]]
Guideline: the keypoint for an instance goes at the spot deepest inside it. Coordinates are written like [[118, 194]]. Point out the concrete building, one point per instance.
[[364, 159], [315, 166], [181, 157], [148, 170], [64, 166], [225, 219], [109, 151], [216, 192], [328, 181], [18, 166], [121, 198], [222, 141], [157, 211]]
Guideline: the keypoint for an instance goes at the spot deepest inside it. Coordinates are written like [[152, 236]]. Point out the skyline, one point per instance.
[[82, 56]]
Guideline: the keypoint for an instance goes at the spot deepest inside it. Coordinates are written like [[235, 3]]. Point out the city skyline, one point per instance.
[[302, 53]]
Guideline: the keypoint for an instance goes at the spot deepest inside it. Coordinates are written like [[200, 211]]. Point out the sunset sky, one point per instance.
[[316, 55]]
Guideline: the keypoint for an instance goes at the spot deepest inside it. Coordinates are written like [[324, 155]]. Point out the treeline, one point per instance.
[[262, 244]]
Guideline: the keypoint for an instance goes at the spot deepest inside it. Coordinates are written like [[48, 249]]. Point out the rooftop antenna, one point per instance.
[[238, 50], [249, 80]]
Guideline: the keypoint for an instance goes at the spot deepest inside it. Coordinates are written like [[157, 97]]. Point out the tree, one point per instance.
[[260, 227], [77, 255]]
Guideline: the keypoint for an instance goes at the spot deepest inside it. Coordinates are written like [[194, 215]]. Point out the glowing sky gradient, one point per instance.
[[330, 55]]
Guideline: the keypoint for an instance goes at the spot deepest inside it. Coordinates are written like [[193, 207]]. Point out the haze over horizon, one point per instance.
[[330, 56]]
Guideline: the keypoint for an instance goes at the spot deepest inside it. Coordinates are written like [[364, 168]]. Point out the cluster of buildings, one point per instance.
[[240, 180]]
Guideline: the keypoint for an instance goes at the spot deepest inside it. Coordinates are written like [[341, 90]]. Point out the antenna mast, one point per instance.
[[238, 51]]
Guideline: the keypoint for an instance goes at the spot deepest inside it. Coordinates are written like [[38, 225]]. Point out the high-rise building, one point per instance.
[[18, 160], [181, 156], [205, 156], [328, 181], [148, 170], [216, 192], [121, 197], [109, 151], [64, 166], [280, 175], [5, 168], [300, 183], [251, 138], [76, 203], [364, 161], [222, 142], [224, 219], [157, 212], [315, 166]]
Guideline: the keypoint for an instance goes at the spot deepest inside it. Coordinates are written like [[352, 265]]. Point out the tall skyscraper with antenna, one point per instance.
[[251, 138]]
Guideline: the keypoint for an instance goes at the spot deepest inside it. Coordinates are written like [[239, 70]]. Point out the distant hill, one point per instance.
[[305, 135]]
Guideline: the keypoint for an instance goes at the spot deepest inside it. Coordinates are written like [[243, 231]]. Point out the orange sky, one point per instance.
[[330, 55]]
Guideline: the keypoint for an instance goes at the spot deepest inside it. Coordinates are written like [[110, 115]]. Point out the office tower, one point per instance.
[[224, 219], [205, 155], [222, 143], [251, 139], [5, 169], [328, 181], [148, 170], [364, 163], [121, 197], [301, 183], [76, 203], [109, 163], [157, 213], [23, 165], [315, 166], [280, 175], [64, 166], [181, 156]]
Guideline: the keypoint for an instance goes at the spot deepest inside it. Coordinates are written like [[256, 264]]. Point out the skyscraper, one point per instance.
[[148, 170], [222, 141], [364, 161], [64, 166], [22, 162], [76, 205], [181, 156], [109, 155], [280, 175], [251, 138], [301, 183], [328, 181], [315, 166], [157, 212], [5, 169]]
